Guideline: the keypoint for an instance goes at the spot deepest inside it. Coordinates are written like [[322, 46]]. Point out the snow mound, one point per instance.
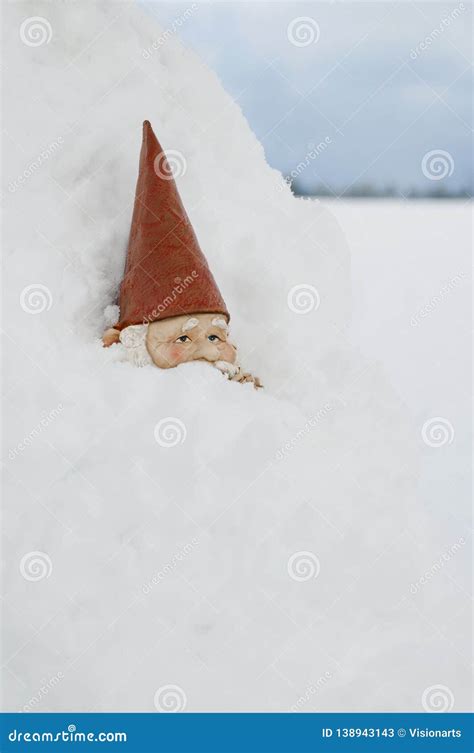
[[171, 528]]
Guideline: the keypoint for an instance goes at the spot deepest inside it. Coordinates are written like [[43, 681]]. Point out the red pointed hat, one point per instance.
[[166, 273]]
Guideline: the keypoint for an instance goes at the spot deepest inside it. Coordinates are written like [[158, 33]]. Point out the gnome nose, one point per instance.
[[206, 352]]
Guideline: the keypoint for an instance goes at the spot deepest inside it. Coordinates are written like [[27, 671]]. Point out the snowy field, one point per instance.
[[301, 548], [411, 271]]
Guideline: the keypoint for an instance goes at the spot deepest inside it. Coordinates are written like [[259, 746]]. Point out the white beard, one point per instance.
[[227, 368], [133, 339]]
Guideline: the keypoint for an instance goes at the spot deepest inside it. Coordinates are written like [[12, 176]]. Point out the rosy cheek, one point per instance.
[[176, 354], [166, 356]]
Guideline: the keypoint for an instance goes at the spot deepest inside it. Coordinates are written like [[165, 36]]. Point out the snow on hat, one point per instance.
[[166, 273]]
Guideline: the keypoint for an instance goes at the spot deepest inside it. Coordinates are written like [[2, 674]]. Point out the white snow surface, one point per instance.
[[167, 506]]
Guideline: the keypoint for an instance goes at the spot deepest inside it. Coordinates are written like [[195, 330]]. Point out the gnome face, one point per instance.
[[199, 337]]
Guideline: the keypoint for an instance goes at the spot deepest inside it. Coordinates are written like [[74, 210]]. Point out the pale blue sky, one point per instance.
[[365, 85]]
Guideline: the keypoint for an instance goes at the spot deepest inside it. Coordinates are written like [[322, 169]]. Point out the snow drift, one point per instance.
[[174, 539]]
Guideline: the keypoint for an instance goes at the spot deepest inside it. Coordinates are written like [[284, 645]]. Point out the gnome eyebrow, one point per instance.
[[219, 323], [189, 324]]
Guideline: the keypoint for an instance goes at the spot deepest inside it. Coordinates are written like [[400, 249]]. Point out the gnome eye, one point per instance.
[[183, 339], [213, 338]]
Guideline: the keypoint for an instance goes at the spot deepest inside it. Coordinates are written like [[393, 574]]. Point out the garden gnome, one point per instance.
[[171, 310]]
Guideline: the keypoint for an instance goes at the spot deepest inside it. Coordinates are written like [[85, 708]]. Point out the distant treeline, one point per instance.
[[362, 190]]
